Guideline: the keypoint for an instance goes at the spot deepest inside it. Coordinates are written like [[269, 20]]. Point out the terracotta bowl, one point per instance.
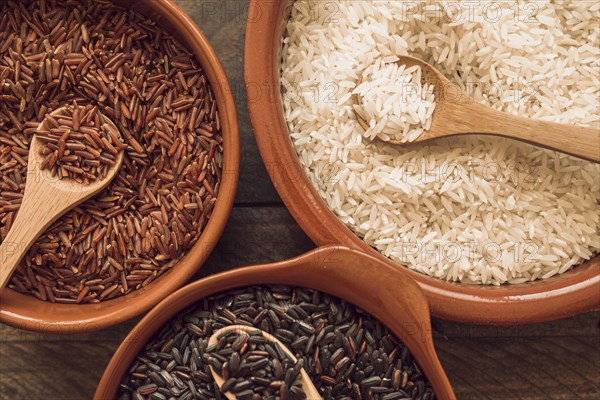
[[27, 312], [574, 292], [358, 278]]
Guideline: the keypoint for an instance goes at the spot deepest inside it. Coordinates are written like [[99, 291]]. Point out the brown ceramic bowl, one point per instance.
[[574, 292], [358, 278], [27, 312]]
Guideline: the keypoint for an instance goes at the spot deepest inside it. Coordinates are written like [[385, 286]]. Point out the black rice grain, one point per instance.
[[380, 368]]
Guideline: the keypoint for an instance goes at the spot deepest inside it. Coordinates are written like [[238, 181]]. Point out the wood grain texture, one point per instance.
[[556, 360], [256, 235], [522, 368], [52, 370], [585, 325]]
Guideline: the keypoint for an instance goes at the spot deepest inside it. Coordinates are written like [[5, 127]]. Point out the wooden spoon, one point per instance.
[[457, 114], [309, 388], [46, 198]]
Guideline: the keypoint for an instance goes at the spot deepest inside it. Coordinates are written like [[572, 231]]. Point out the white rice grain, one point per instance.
[[516, 213]]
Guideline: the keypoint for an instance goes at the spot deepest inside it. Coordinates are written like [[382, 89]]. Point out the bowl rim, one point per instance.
[[27, 312], [573, 292], [306, 270]]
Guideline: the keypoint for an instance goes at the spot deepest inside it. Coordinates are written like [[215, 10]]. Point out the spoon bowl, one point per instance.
[[456, 113], [309, 388], [46, 198]]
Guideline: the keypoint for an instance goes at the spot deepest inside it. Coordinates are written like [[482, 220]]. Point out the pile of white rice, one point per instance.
[[475, 210], [393, 102]]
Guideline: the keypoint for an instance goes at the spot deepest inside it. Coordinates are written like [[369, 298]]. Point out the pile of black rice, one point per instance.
[[346, 352]]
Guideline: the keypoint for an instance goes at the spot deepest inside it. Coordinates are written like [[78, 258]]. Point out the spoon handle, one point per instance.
[[579, 141], [40, 207]]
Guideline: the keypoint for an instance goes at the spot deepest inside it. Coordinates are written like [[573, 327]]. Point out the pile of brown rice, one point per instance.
[[94, 52]]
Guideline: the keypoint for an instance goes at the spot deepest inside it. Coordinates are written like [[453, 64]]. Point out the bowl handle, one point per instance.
[[379, 289]]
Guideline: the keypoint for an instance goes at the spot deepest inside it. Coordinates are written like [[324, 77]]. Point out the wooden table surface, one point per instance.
[[556, 360]]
